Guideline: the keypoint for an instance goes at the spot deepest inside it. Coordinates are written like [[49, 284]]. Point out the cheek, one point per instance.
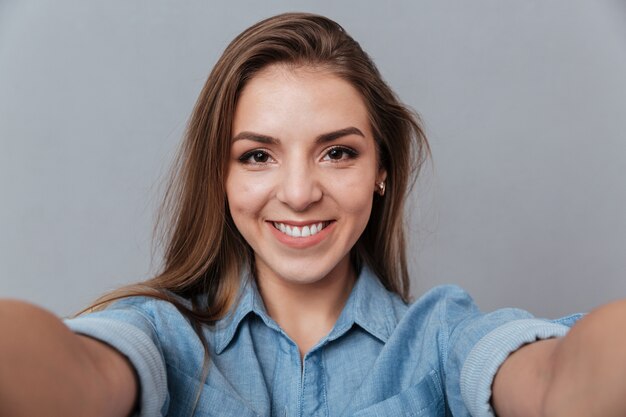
[[246, 194], [354, 193]]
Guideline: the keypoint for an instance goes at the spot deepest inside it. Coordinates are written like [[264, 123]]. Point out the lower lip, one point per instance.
[[301, 242]]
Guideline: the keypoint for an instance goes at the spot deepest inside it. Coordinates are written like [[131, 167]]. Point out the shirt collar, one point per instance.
[[249, 300], [370, 306]]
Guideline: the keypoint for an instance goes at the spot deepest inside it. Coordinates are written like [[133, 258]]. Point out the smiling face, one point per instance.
[[302, 173]]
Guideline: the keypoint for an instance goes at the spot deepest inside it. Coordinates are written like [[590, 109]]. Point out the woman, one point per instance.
[[285, 289]]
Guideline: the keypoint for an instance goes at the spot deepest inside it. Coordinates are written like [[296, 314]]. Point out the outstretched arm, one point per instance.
[[580, 375], [45, 369]]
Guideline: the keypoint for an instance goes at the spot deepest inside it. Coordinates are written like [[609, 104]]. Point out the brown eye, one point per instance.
[[340, 153], [335, 153], [260, 157], [255, 157]]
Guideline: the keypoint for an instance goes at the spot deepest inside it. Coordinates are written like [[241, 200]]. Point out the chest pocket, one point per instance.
[[213, 401], [219, 404], [425, 399]]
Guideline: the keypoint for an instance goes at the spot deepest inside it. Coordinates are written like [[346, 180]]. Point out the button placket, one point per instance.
[[313, 392]]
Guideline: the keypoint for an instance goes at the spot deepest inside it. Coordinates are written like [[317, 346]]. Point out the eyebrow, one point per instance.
[[323, 138]]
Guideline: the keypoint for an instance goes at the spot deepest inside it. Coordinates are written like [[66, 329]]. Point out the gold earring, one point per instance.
[[381, 188]]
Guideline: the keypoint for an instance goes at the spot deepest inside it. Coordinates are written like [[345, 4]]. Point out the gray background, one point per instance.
[[524, 103]]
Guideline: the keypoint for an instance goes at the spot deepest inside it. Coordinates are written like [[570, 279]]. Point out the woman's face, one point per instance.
[[302, 172]]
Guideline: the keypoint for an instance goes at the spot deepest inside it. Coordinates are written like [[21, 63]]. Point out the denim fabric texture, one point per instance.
[[434, 357]]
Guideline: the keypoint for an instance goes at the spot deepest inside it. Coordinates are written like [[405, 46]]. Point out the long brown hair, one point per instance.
[[203, 251]]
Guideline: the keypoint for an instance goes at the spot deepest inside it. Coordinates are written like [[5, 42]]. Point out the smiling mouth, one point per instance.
[[300, 231]]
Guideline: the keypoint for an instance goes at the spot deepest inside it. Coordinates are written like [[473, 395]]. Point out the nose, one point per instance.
[[299, 186]]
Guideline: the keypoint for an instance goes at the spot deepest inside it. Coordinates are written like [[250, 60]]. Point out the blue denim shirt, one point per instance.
[[434, 357]]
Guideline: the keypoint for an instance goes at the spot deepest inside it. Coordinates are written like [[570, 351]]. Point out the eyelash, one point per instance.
[[246, 157], [349, 152]]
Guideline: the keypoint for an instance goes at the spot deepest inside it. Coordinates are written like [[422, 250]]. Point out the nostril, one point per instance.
[[299, 191]]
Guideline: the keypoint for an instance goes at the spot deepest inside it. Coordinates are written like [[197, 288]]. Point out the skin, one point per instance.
[[303, 153], [580, 375], [47, 370]]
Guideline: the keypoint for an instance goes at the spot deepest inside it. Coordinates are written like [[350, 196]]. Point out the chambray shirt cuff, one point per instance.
[[140, 351], [491, 351]]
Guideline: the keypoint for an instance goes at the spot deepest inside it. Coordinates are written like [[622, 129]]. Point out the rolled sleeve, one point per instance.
[[491, 351], [474, 344], [133, 335]]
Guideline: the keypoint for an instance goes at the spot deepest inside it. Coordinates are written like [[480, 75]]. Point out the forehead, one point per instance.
[[282, 98]]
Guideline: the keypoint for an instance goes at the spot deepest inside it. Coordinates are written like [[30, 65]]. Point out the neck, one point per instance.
[[307, 311]]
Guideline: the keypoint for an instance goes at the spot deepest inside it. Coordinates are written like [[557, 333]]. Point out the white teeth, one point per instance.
[[295, 231]]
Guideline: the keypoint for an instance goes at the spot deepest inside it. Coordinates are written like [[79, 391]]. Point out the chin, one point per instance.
[[305, 276], [301, 272]]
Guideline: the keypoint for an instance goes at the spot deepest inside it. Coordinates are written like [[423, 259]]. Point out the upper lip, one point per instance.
[[299, 223]]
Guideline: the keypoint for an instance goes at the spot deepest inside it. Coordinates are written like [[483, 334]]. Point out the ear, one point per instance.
[[382, 175], [379, 185]]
